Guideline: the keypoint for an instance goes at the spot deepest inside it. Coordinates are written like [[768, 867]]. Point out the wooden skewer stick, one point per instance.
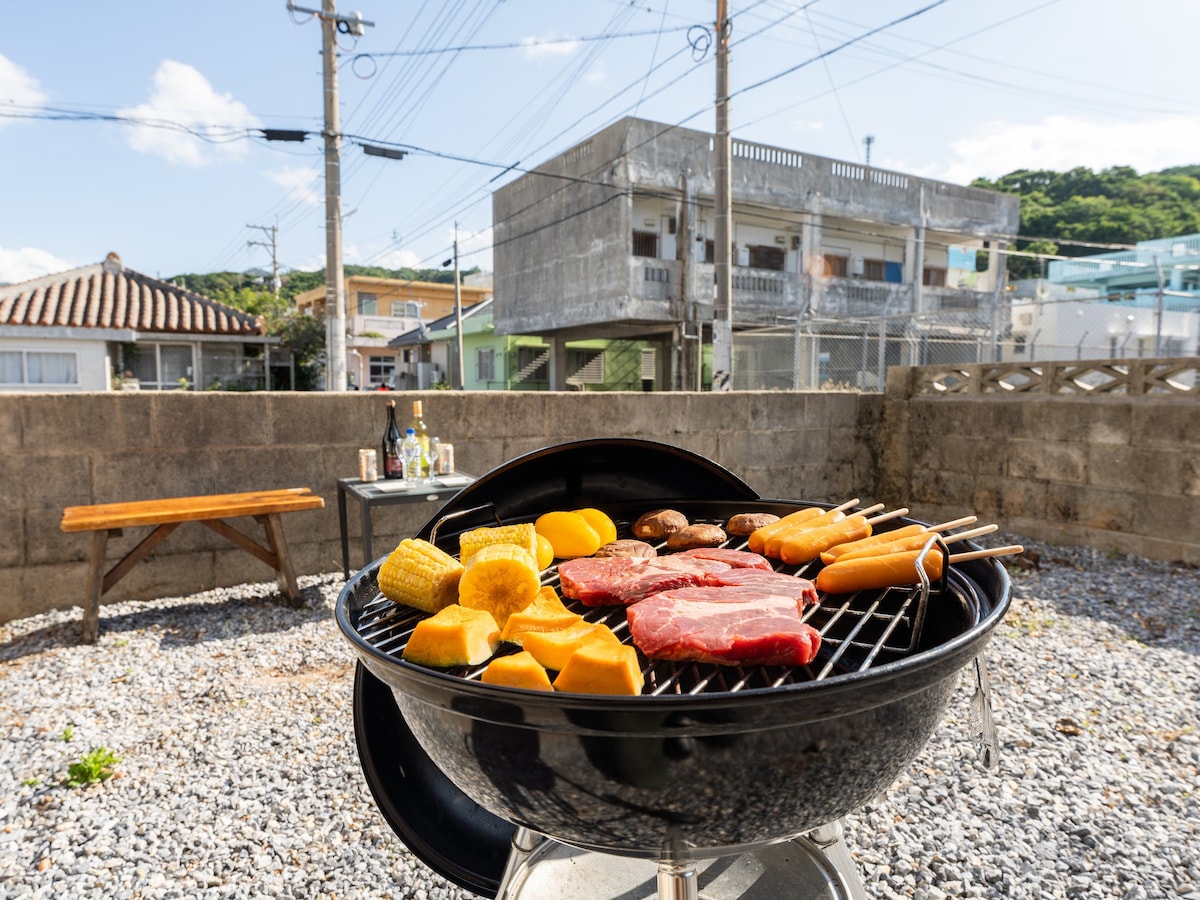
[[870, 509], [973, 532], [1010, 550], [884, 517], [849, 504], [954, 523]]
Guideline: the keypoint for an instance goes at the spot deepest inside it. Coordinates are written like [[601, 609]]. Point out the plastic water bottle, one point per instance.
[[410, 454]]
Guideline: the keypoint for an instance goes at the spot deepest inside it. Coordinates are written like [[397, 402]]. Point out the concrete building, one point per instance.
[[379, 309], [1143, 302], [613, 240]]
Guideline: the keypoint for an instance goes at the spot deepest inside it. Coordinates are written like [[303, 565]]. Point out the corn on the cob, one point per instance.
[[523, 535], [501, 578], [420, 575]]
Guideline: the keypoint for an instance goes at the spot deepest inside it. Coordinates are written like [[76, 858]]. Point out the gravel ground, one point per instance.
[[238, 777]]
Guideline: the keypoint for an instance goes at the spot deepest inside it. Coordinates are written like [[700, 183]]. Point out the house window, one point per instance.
[[367, 304], [710, 251], [933, 276], [409, 309], [874, 269], [38, 367], [645, 243], [766, 257], [533, 363], [485, 364], [381, 370], [585, 366], [835, 266]]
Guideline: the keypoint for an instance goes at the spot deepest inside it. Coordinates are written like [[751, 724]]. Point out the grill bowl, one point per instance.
[[711, 773]]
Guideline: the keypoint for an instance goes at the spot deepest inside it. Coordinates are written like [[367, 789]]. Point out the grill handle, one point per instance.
[[458, 514], [983, 726]]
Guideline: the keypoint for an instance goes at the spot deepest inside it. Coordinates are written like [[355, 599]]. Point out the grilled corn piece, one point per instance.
[[524, 535], [500, 578], [420, 575]]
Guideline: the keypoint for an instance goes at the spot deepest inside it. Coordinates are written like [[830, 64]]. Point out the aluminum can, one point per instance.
[[368, 465], [445, 459]]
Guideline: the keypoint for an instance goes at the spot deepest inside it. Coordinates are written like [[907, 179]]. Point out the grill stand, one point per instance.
[[814, 867]]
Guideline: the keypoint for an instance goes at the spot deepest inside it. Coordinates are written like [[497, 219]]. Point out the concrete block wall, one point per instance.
[[64, 450], [1115, 472]]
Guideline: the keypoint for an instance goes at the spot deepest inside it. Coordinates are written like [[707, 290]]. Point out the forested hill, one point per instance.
[[226, 285], [1112, 206]]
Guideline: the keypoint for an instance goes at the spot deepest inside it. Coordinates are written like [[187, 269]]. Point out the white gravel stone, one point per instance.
[[239, 777]]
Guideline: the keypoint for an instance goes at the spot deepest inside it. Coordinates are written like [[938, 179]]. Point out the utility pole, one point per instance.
[[458, 335], [273, 231], [722, 364], [335, 282]]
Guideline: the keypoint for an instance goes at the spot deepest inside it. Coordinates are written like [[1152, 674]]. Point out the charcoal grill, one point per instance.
[[718, 781]]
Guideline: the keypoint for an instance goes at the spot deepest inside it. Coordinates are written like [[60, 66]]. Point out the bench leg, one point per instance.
[[95, 587], [286, 571]]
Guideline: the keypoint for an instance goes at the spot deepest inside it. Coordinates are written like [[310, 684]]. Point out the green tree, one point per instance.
[[1063, 212]]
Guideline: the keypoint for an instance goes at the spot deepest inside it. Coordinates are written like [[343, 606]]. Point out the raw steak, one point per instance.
[[771, 582], [734, 625], [619, 580], [739, 559]]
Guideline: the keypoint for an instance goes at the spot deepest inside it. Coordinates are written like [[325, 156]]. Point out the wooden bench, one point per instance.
[[105, 519]]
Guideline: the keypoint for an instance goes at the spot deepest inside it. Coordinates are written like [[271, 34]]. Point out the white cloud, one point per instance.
[[1060, 143], [475, 249], [17, 89], [395, 259], [187, 122], [537, 49], [29, 262], [301, 183]]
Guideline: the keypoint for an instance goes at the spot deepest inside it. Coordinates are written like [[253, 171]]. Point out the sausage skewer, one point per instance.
[[808, 544], [905, 542], [893, 569], [766, 540], [838, 551]]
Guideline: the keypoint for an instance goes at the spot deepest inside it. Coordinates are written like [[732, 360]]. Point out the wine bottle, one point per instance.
[[422, 433], [393, 464]]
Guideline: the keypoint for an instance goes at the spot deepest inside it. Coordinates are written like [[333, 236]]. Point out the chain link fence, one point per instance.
[[854, 353]]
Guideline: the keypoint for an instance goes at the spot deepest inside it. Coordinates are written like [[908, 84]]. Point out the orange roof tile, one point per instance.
[[107, 295]]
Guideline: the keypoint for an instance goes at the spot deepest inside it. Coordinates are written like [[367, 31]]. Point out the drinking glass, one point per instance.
[[429, 461]]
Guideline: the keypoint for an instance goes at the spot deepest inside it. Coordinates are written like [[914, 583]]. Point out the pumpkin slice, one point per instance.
[[553, 648], [453, 636], [545, 613], [520, 670], [599, 667]]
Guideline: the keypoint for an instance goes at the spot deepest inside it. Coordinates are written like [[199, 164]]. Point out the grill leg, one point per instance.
[[677, 881], [829, 838], [524, 842]]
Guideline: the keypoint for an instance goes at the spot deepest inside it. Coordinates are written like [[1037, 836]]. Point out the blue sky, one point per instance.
[[134, 127]]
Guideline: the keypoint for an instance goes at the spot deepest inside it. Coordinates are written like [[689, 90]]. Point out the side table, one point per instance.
[[370, 494]]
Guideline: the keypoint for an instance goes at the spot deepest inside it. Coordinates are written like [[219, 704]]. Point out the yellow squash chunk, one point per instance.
[[420, 575], [500, 578], [568, 533], [545, 613], [553, 648], [601, 523], [453, 636], [601, 668], [522, 535], [519, 670], [545, 552]]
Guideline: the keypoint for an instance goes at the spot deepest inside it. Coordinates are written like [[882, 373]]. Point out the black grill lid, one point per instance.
[[438, 823], [591, 473]]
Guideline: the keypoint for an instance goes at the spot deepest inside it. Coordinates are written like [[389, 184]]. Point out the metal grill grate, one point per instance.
[[857, 631]]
